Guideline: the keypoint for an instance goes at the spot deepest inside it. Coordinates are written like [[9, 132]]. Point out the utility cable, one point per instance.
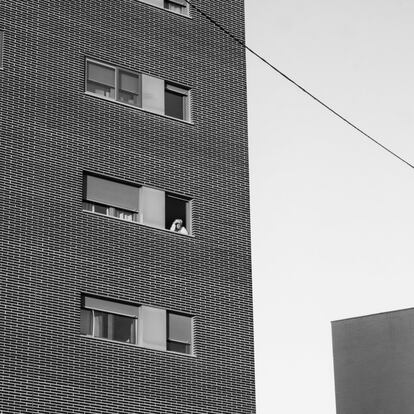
[[326, 106]]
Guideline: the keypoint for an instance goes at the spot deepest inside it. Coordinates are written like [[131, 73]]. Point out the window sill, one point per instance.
[[167, 10], [137, 108], [139, 224], [137, 346]]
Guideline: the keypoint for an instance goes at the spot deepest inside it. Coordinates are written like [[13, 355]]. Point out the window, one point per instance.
[[163, 210], [176, 104], [109, 320], [176, 6], [129, 88], [138, 90], [150, 206], [113, 83], [177, 208], [111, 198], [179, 337], [101, 80], [1, 48], [146, 326]]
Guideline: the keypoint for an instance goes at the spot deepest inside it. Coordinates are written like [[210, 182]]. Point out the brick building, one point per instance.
[[119, 118]]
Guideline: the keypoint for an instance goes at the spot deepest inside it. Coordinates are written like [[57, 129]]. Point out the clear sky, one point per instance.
[[332, 213]]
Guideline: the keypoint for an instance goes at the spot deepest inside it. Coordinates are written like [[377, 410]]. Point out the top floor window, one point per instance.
[[139, 90], [176, 6]]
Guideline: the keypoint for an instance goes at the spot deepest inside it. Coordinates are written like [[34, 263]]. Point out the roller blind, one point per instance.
[[179, 328], [101, 74], [112, 193], [153, 207], [129, 82], [153, 327], [111, 307], [176, 89], [180, 2]]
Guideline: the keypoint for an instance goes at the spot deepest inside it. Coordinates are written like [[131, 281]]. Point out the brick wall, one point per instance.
[[52, 251]]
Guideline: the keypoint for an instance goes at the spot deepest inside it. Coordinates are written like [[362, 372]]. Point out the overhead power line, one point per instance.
[[326, 106]]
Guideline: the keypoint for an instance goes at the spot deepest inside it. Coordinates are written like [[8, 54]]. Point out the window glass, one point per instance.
[[86, 322], [179, 347], [111, 198], [147, 326], [156, 207], [140, 90], [179, 327], [179, 333], [101, 80], [174, 104], [177, 6], [98, 208], [129, 88], [125, 215], [174, 7], [115, 327]]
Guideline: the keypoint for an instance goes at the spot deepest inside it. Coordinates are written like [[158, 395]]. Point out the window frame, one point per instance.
[[111, 211], [182, 4], [185, 93], [143, 78], [188, 213], [92, 304], [108, 311], [191, 343], [138, 217], [117, 71], [163, 7]]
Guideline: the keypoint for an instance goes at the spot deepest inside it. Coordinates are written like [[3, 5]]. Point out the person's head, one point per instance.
[[178, 224]]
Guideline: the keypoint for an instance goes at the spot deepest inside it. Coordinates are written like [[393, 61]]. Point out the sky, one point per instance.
[[332, 213]]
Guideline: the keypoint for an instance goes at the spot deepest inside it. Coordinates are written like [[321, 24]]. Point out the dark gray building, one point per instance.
[[125, 258], [374, 363]]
